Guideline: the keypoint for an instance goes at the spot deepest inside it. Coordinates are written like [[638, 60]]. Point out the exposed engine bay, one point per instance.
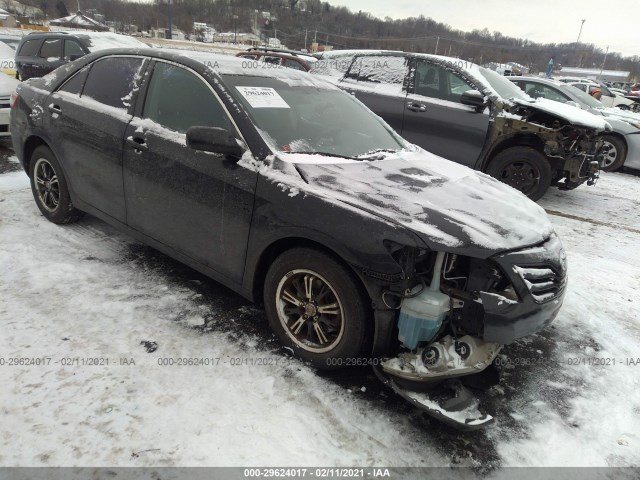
[[571, 149], [444, 330]]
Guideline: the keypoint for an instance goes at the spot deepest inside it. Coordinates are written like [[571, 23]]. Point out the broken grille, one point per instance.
[[543, 283]]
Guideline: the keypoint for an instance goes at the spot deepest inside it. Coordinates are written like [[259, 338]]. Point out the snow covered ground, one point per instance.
[[75, 293]]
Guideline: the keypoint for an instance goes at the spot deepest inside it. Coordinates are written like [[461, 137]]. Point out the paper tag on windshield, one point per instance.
[[262, 97]]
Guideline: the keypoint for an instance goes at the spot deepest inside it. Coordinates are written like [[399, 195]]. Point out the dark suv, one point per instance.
[[41, 53], [473, 116]]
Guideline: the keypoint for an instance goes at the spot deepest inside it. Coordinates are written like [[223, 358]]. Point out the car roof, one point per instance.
[[218, 63], [267, 53]]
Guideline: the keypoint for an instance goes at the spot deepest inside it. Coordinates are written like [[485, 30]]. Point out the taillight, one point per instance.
[[14, 99]]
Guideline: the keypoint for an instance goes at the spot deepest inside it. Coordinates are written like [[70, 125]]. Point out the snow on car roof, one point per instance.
[[104, 40], [231, 65]]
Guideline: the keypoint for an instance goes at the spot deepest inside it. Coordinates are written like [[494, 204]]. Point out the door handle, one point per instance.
[[53, 108], [416, 107], [139, 144]]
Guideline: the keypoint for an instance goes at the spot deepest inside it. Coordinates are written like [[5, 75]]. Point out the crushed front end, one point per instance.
[[455, 313], [570, 149]]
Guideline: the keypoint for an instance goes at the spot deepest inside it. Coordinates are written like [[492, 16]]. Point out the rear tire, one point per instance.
[[615, 157], [49, 187], [524, 169], [316, 308]]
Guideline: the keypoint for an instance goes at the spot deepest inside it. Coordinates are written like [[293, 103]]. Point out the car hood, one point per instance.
[[574, 115], [625, 115], [450, 207]]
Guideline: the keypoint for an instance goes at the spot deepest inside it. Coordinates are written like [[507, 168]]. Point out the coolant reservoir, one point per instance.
[[421, 316]]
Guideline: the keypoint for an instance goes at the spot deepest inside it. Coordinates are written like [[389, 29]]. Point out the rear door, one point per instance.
[[436, 119], [27, 57], [378, 82], [198, 203], [87, 117]]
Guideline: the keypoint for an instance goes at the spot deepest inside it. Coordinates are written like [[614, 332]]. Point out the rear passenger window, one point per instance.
[[30, 48], [112, 80], [378, 69], [51, 48], [177, 99]]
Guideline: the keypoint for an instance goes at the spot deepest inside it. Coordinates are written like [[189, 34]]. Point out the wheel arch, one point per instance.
[[518, 140], [30, 144], [279, 246], [617, 135]]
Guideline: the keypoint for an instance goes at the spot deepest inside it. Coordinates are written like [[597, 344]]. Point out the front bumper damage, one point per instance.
[[433, 375]]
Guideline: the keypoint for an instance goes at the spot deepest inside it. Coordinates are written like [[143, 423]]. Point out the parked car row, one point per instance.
[[606, 95], [276, 183]]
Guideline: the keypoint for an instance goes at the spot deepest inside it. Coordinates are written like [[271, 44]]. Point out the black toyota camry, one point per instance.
[[364, 249]]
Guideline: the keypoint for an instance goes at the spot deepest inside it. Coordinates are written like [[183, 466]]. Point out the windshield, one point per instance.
[[504, 87], [312, 118], [582, 97]]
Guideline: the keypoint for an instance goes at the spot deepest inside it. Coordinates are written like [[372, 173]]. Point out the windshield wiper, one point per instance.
[[375, 154], [326, 154]]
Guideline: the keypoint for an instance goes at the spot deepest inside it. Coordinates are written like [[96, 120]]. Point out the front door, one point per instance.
[[198, 203], [435, 118]]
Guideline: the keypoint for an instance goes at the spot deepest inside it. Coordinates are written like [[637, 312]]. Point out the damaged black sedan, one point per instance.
[[292, 193]]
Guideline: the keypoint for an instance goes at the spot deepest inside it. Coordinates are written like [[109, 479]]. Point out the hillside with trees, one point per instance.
[[299, 22]]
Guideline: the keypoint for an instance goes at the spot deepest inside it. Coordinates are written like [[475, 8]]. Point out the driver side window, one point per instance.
[[177, 99], [438, 82]]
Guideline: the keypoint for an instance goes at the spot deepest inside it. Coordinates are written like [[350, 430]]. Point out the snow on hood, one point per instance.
[[625, 115], [449, 206], [572, 114]]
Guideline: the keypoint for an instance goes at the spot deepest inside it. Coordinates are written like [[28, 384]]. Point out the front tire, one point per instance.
[[49, 187], [316, 308], [524, 169], [615, 156]]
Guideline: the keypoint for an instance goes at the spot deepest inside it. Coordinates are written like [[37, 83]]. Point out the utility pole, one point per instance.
[[580, 33], [305, 40], [437, 41], [169, 33], [578, 41], [605, 59]]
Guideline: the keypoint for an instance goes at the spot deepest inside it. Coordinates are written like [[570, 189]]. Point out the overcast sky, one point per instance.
[[554, 21]]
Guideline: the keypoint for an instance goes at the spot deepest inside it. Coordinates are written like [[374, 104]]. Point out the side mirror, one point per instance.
[[215, 140], [573, 104], [75, 57], [474, 98]]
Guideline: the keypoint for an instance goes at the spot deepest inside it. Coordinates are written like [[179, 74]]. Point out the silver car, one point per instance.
[[623, 143]]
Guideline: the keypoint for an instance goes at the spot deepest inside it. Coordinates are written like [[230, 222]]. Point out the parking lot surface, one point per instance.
[[114, 354]]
